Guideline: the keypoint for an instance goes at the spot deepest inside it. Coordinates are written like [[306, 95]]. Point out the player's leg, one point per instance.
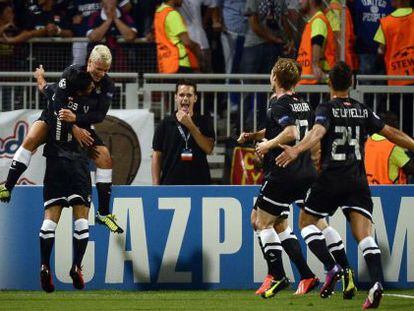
[[272, 249], [337, 249], [103, 180], [292, 247], [47, 240], [268, 279], [35, 137], [361, 227], [80, 242], [316, 242]]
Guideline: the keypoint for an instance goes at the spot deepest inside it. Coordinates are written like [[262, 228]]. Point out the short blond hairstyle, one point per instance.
[[286, 72], [101, 53]]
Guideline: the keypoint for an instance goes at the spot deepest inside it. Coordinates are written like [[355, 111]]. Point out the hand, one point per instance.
[[318, 73], [244, 137], [111, 13], [93, 152], [287, 156], [52, 30], [39, 72], [67, 115], [82, 136], [77, 19], [262, 148], [289, 48], [184, 119]]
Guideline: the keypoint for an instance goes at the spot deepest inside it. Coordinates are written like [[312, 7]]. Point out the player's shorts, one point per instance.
[[45, 116], [276, 198], [331, 192], [66, 183]]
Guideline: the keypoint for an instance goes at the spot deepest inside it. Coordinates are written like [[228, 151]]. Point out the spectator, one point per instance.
[[316, 52], [233, 32], [190, 10], [143, 14], [176, 52], [385, 162], [8, 29], [112, 23], [366, 16], [395, 36], [333, 13], [181, 143], [79, 12]]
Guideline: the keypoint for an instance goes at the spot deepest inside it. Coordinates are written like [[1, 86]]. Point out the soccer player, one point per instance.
[[287, 120], [98, 65], [342, 125], [66, 183]]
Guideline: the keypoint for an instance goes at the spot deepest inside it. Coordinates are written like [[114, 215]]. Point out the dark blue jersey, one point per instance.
[[285, 111]]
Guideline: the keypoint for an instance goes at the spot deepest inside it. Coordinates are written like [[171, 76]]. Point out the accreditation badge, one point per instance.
[[186, 154]]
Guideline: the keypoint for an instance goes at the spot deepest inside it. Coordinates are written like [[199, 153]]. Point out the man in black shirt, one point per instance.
[[342, 126], [66, 183], [181, 143], [99, 102]]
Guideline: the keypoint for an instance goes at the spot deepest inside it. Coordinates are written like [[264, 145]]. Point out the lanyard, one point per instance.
[[186, 138]]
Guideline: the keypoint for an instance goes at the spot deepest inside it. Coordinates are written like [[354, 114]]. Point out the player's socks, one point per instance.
[[336, 246], [104, 188], [47, 239], [80, 240], [292, 248], [21, 161], [272, 249], [315, 240], [372, 256], [261, 248]]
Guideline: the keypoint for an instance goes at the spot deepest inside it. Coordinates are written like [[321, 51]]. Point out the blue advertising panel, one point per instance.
[[187, 237]]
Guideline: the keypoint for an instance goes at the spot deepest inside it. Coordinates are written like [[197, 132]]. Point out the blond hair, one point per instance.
[[286, 72], [101, 53]]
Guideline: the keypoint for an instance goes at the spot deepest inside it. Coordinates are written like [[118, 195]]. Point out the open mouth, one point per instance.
[[185, 107]]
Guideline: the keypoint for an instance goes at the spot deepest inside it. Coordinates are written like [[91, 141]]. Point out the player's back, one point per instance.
[[285, 111], [348, 124]]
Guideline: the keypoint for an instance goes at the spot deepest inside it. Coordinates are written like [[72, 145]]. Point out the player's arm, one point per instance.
[[245, 137], [397, 137], [156, 162], [311, 139], [289, 133], [316, 155], [127, 32]]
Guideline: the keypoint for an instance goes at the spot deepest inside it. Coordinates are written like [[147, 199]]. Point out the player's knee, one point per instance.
[[31, 142]]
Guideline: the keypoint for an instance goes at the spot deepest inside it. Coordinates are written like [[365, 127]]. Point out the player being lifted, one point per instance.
[[66, 183], [100, 99], [342, 125]]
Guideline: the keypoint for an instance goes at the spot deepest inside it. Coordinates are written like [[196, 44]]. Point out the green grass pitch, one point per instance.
[[191, 300]]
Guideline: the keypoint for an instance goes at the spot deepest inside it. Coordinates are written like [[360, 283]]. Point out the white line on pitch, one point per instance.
[[400, 296]]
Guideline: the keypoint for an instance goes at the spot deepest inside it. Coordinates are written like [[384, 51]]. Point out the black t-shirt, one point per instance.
[[168, 140], [285, 111], [98, 103], [348, 124]]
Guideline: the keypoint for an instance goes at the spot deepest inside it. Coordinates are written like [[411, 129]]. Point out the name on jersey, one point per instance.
[[300, 107], [350, 113]]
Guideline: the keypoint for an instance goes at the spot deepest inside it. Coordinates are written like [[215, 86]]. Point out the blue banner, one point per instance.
[[186, 237]]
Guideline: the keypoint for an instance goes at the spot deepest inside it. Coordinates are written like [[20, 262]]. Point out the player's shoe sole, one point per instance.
[[46, 279], [332, 277], [109, 221], [77, 278], [5, 194], [275, 287], [306, 285], [348, 285]]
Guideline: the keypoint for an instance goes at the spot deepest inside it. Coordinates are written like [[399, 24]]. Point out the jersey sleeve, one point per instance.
[[283, 114], [157, 140], [374, 122], [323, 115], [104, 102]]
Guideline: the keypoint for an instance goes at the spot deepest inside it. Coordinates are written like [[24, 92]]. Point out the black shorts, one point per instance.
[[66, 183], [276, 198], [45, 116], [330, 192]]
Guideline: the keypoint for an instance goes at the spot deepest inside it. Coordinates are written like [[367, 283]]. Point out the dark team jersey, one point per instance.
[[286, 111], [348, 124], [98, 103]]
